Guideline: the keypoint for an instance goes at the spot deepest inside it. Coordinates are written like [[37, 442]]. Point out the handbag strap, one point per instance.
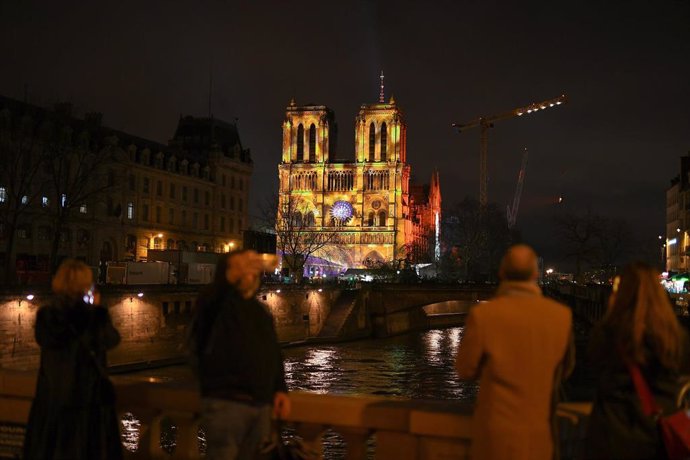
[[649, 405]]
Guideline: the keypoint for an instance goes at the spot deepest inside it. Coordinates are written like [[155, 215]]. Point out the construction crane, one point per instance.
[[511, 213], [487, 122]]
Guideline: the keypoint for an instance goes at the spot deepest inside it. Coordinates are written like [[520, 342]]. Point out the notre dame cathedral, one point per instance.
[[367, 202]]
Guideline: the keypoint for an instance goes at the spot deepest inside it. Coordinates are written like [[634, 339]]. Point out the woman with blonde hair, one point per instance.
[[640, 329], [73, 413]]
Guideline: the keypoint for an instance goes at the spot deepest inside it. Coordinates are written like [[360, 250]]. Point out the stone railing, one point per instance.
[[161, 421]]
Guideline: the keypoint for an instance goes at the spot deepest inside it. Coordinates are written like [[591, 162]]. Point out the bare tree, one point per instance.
[[614, 241], [595, 240], [578, 235], [79, 171], [20, 164], [299, 235], [477, 238]]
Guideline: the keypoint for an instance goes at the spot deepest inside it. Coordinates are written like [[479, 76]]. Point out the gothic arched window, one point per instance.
[[372, 141], [384, 141], [382, 218], [312, 143], [370, 220], [300, 142]]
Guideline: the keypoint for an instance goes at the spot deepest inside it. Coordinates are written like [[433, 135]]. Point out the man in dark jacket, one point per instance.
[[240, 365]]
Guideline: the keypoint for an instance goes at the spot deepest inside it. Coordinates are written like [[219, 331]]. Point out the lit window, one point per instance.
[[83, 209], [63, 200], [3, 195], [44, 201], [130, 211]]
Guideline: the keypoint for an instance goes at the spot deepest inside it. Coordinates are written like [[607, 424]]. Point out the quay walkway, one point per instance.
[[402, 429]]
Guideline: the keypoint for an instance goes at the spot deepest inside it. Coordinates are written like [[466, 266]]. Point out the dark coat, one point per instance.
[[236, 349], [618, 429], [73, 413]]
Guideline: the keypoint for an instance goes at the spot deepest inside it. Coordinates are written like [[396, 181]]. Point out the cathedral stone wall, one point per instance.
[[363, 206]]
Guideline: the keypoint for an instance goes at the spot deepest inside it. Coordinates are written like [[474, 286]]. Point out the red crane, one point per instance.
[[511, 213]]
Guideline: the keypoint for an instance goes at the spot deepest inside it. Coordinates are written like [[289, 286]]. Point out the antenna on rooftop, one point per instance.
[[210, 88], [382, 98]]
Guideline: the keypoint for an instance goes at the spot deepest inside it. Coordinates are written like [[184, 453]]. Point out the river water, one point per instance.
[[417, 365]]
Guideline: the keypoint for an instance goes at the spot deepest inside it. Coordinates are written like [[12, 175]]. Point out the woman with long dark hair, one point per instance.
[[639, 329], [73, 413]]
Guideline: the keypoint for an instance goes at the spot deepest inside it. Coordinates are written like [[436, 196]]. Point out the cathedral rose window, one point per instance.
[[342, 211]]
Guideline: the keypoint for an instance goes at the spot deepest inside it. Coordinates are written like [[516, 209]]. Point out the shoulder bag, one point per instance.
[[674, 428]]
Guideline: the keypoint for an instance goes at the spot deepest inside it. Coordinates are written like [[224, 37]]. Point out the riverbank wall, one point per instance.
[[152, 320]]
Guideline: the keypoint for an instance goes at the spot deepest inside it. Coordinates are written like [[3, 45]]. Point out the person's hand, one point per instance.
[[281, 405]]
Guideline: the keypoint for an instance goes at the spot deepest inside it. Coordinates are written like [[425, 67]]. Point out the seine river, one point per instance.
[[417, 365]]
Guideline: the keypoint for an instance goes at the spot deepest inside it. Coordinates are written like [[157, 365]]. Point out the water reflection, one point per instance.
[[417, 365]]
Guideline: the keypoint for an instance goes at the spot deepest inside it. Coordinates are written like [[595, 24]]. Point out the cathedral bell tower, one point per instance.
[[380, 132], [309, 134]]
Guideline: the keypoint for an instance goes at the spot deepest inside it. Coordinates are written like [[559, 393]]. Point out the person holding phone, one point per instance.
[[73, 412], [238, 360]]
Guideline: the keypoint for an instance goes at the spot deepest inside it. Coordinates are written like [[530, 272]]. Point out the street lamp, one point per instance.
[[152, 240]]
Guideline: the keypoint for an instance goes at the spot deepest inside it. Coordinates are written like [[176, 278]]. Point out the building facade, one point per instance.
[[190, 194], [677, 241], [365, 203]]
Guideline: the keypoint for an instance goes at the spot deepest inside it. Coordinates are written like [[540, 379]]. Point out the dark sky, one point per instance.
[[624, 64]]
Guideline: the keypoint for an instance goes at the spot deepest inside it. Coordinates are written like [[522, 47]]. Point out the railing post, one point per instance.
[[187, 439], [356, 442], [397, 445], [149, 435], [312, 434]]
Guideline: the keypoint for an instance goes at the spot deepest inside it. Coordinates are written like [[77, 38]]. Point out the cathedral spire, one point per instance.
[[382, 98]]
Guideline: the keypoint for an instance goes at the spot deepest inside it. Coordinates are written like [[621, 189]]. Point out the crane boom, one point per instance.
[[512, 213], [487, 122]]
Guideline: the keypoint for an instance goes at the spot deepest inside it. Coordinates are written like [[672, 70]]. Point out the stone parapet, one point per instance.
[[402, 429]]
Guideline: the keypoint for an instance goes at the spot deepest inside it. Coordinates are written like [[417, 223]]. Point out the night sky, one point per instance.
[[624, 65]]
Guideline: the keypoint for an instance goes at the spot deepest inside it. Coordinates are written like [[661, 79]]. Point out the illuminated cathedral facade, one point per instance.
[[365, 203]]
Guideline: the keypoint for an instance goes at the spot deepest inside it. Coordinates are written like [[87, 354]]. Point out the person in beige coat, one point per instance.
[[517, 345]]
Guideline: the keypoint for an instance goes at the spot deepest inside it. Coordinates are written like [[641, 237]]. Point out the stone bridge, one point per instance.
[[396, 309]]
